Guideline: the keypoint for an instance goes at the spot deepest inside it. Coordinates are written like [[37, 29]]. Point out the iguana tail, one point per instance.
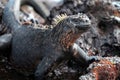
[[11, 12]]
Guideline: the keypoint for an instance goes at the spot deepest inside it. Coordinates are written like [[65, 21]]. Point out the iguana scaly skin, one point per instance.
[[36, 50]]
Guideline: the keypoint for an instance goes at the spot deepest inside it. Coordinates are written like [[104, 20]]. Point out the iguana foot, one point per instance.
[[82, 55], [93, 58]]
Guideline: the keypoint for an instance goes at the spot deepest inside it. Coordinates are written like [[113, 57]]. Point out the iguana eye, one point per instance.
[[86, 20], [75, 20]]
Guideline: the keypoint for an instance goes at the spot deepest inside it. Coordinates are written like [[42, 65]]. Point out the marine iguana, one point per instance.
[[36, 50]]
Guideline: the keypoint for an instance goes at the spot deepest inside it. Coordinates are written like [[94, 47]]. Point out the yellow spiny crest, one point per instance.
[[59, 18]]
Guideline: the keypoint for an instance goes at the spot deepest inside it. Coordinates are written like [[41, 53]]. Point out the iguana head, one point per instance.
[[79, 22], [69, 28]]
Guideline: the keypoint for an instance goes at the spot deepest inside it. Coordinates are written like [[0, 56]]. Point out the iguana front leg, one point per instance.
[[5, 41], [81, 55], [43, 66]]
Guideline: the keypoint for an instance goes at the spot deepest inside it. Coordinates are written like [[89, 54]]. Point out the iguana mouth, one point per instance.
[[85, 27]]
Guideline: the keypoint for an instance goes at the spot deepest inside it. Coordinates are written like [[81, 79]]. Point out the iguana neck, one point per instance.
[[68, 39], [64, 36]]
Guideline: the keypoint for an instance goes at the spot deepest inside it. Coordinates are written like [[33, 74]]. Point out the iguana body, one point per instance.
[[36, 50]]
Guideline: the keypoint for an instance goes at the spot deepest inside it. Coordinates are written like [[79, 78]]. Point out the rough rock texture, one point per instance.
[[107, 68]]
